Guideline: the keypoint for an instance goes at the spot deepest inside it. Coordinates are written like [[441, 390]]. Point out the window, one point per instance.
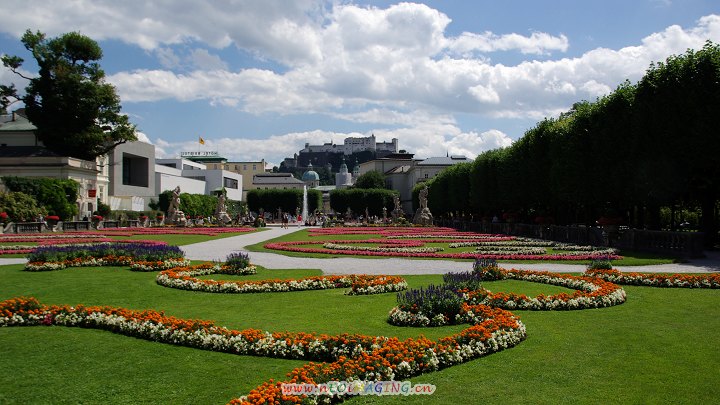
[[135, 170], [426, 175], [230, 183], [254, 167], [237, 167], [101, 192], [244, 167]]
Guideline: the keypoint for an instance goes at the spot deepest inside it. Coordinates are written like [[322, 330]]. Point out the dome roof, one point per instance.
[[310, 174]]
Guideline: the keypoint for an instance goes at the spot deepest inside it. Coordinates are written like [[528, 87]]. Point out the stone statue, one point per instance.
[[221, 211], [423, 215], [397, 213], [174, 208]]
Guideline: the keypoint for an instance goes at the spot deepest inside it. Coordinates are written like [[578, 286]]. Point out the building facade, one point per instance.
[[246, 169], [196, 178]]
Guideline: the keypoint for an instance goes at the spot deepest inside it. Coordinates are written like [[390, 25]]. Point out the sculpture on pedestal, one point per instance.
[[423, 215], [221, 211]]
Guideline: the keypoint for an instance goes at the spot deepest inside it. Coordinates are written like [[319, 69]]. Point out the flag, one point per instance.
[[202, 141]]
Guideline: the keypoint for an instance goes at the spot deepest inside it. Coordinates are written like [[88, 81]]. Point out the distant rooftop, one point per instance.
[[16, 122], [444, 160], [275, 178]]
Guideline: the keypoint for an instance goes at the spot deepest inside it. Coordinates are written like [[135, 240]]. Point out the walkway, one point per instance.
[[219, 249]]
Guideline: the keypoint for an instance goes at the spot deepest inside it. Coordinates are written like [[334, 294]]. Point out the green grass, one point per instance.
[[658, 347], [630, 258]]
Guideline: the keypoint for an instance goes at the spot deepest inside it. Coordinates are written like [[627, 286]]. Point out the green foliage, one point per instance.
[[287, 200], [20, 207], [103, 209], [75, 111], [357, 199], [371, 179], [56, 195], [643, 146], [600, 264], [237, 260]]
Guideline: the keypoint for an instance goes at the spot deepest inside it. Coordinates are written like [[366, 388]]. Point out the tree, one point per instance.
[[56, 195], [20, 207], [76, 113], [371, 179]]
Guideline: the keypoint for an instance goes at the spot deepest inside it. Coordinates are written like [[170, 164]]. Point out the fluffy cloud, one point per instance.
[[395, 67], [369, 57]]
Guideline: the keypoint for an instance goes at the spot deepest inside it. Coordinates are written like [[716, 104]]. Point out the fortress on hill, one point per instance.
[[360, 150]]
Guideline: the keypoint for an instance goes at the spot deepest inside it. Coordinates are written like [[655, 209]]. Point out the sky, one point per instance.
[[259, 79]]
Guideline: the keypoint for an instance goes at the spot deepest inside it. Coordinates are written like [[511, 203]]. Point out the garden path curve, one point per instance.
[[218, 249]]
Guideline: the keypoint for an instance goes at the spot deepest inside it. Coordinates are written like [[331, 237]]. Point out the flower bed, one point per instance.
[[296, 246], [169, 230], [185, 278], [591, 292], [385, 248], [343, 357], [47, 258], [445, 305], [24, 249], [658, 280]]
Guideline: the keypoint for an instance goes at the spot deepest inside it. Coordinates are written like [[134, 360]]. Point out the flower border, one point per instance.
[[185, 278], [342, 357], [658, 280], [293, 246]]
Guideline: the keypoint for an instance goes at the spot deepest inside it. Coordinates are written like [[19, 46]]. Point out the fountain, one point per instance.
[[305, 204]]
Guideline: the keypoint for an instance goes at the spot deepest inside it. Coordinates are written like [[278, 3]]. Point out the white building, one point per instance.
[[343, 178], [23, 155], [131, 180], [403, 173], [195, 178], [126, 179], [282, 181]]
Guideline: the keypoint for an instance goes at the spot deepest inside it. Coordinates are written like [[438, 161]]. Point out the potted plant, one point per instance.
[[52, 220]]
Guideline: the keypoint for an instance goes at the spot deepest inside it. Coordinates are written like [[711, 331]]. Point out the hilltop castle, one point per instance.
[[363, 149]]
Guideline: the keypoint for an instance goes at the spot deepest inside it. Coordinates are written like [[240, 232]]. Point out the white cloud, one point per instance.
[[359, 70], [536, 43], [393, 67]]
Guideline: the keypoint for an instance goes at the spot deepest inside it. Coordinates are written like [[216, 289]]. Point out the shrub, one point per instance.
[[20, 207], [487, 269], [602, 263], [432, 301], [237, 260], [56, 195], [468, 280]]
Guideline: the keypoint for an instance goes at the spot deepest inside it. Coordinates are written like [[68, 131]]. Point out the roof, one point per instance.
[[19, 123], [310, 175], [444, 161], [273, 178], [26, 151], [399, 169]]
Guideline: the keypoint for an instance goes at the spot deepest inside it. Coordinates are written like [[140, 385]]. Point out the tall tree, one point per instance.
[[371, 179], [75, 111]]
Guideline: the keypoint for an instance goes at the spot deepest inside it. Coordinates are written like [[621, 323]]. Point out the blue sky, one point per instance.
[[259, 79]]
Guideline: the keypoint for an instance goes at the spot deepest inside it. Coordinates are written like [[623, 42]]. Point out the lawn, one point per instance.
[[629, 258], [658, 347]]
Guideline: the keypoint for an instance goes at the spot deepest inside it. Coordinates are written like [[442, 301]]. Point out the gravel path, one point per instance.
[[218, 249]]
